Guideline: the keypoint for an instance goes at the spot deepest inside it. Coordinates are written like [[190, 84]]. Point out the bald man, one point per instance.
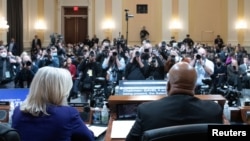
[[204, 68], [179, 107]]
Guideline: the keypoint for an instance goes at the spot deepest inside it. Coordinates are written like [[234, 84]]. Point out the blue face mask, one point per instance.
[[54, 54]]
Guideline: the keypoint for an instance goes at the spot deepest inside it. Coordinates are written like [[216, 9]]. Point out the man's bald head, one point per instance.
[[182, 79]]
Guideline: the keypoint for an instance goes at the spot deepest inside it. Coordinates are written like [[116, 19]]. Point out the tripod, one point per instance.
[[127, 16]]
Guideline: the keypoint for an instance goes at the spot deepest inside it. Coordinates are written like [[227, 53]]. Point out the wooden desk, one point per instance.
[[120, 99]]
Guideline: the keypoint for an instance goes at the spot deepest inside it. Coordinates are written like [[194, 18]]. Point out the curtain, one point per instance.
[[15, 21]]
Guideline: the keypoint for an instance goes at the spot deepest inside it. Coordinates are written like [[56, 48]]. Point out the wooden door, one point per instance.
[[75, 25]]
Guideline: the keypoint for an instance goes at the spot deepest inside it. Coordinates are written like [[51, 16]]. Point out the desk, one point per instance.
[[120, 99]]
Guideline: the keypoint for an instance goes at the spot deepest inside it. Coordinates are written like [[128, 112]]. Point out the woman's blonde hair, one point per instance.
[[50, 86]]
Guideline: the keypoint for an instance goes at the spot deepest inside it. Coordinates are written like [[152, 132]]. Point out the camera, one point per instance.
[[172, 58], [91, 54], [137, 54], [198, 56], [105, 53], [146, 50], [114, 53], [48, 50], [153, 61], [106, 47], [27, 63]]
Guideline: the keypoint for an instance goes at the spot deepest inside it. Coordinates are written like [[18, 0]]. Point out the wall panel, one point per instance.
[[206, 20]]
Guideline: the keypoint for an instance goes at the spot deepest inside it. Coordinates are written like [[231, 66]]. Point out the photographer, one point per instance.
[[136, 68], [26, 74], [244, 70], [156, 68], [203, 66], [88, 70], [114, 65], [233, 74], [7, 69], [49, 58], [163, 50]]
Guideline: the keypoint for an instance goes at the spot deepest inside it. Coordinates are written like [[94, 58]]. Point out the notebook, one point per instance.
[[97, 130], [121, 128]]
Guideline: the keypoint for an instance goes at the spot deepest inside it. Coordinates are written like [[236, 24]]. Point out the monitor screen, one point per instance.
[[127, 111]]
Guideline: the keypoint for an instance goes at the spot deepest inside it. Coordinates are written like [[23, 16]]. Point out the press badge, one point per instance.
[[90, 73], [7, 74]]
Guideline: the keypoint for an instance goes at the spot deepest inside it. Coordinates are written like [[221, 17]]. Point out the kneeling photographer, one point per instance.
[[156, 69]]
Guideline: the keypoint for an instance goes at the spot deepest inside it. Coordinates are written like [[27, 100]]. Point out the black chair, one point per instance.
[[178, 133], [8, 134]]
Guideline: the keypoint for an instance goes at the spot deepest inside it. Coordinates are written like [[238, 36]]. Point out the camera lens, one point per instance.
[[106, 47], [92, 54], [114, 53], [198, 56], [146, 50], [153, 60], [137, 53], [28, 63]]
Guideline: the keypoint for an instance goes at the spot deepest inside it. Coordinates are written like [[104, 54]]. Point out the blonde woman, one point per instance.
[[44, 115]]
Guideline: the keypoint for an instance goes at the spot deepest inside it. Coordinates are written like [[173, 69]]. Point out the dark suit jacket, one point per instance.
[[174, 110], [14, 49], [33, 45]]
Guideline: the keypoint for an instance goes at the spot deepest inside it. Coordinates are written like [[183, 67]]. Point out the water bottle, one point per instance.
[[12, 106], [226, 111], [97, 116], [105, 114]]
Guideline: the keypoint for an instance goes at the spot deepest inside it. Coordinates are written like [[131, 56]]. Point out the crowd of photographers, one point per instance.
[[114, 61]]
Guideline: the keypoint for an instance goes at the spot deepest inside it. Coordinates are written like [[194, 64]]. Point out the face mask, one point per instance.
[[54, 54], [4, 54]]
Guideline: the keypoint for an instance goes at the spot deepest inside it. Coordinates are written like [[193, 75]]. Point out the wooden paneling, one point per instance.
[[75, 29], [75, 24]]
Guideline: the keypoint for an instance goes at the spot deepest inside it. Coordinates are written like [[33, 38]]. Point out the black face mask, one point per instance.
[[218, 64]]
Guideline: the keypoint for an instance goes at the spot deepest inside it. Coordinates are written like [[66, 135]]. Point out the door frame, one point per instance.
[[83, 16]]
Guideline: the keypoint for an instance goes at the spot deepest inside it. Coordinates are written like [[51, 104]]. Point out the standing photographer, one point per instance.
[[203, 66], [136, 68], [156, 69], [114, 66], [88, 70], [25, 75]]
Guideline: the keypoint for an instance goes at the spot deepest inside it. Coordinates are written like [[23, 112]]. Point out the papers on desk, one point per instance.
[[97, 130], [121, 128]]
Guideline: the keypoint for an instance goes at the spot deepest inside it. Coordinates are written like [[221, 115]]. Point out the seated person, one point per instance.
[[45, 115], [178, 108]]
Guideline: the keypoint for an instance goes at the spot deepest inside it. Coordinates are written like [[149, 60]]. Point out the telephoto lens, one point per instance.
[[137, 54], [198, 56], [114, 53]]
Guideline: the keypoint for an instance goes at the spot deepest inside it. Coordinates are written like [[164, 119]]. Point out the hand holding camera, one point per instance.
[[198, 56]]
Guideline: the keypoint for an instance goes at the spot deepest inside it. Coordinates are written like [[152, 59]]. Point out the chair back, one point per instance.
[[8, 134], [178, 133]]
